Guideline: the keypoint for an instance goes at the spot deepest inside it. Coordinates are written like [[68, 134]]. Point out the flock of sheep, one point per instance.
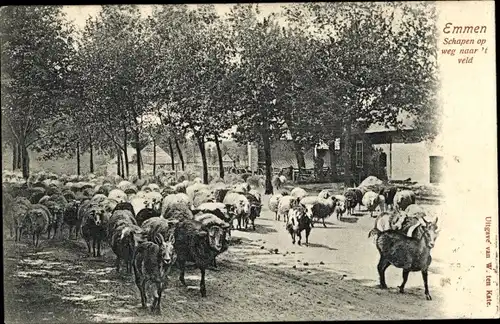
[[153, 227]]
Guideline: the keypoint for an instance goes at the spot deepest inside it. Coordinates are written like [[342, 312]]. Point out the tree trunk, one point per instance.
[[219, 154], [201, 145], [122, 162], [78, 158], [19, 156], [171, 148], [91, 156], [299, 155], [118, 162], [267, 157], [125, 154], [25, 161], [348, 180], [181, 157], [14, 156], [154, 157], [333, 162], [138, 153]]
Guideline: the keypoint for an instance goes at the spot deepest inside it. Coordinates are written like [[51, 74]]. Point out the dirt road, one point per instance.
[[263, 277]]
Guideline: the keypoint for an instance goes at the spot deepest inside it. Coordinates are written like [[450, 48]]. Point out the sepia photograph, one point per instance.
[[315, 161]]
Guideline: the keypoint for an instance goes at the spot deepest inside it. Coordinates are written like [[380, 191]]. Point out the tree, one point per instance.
[[37, 50]]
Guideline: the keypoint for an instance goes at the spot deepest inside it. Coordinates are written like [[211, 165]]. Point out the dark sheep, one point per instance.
[[208, 220], [145, 214], [70, 216], [56, 219], [152, 262], [51, 190], [168, 191], [124, 236], [389, 194], [36, 196], [124, 206], [36, 222], [407, 253], [158, 225], [255, 208], [178, 211], [94, 227], [220, 194], [88, 192], [130, 191], [69, 195], [224, 212], [20, 207], [194, 243]]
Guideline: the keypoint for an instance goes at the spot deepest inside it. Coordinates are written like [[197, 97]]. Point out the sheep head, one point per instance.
[[167, 252]]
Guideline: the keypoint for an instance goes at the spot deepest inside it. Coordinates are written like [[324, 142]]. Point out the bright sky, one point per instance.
[[79, 13]]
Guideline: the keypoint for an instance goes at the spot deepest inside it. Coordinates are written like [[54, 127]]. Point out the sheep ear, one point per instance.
[[158, 239]]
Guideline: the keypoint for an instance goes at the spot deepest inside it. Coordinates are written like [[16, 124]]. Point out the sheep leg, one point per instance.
[[293, 237], [48, 232], [381, 267], [88, 245], [203, 290], [308, 231], [158, 300], [37, 239], [99, 247], [300, 238], [94, 242], [405, 278], [17, 230], [34, 241], [117, 264], [424, 276], [141, 284], [276, 217], [324, 222], [182, 265]]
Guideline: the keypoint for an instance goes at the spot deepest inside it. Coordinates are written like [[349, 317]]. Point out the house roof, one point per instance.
[[162, 157], [407, 121], [227, 158]]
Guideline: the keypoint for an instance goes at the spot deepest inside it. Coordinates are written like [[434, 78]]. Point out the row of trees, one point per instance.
[[315, 71]]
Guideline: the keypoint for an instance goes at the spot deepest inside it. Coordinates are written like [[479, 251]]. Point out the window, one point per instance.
[[359, 154]]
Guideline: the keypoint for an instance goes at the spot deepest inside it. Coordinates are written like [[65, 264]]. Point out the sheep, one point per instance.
[[98, 198], [415, 211], [203, 196], [180, 187], [297, 222], [36, 196], [388, 221], [284, 205], [70, 216], [118, 195], [174, 200], [256, 194], [241, 207], [7, 204], [145, 214], [317, 207], [371, 200], [354, 197], [208, 220], [298, 192], [168, 191], [20, 207], [36, 222], [124, 206], [94, 227], [221, 210], [403, 199], [340, 208], [154, 198], [152, 262], [56, 217], [407, 253], [154, 187], [220, 194], [122, 185], [42, 200], [158, 225], [69, 195], [255, 209], [178, 211], [195, 243], [325, 194], [192, 189], [278, 181], [273, 204], [241, 188], [389, 196], [124, 236]]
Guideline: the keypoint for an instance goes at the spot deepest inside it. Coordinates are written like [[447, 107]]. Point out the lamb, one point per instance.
[[403, 199], [124, 236], [298, 192], [124, 206], [285, 204], [179, 198], [36, 222], [145, 214], [152, 262], [70, 216], [371, 200], [297, 222], [273, 204], [241, 207], [118, 195], [222, 211], [94, 229], [195, 243], [407, 253]]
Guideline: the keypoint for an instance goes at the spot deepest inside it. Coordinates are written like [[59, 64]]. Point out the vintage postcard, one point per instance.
[[249, 162]]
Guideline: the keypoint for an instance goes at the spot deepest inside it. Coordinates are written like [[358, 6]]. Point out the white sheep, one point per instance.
[[174, 199], [194, 188], [118, 195], [273, 204], [241, 187], [403, 199], [154, 187], [241, 207], [284, 205], [138, 204], [203, 196], [298, 192], [325, 194], [317, 207], [388, 221], [371, 201], [154, 199]]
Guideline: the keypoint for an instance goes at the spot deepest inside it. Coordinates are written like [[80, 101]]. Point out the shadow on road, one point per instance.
[[348, 219], [322, 246], [264, 229]]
